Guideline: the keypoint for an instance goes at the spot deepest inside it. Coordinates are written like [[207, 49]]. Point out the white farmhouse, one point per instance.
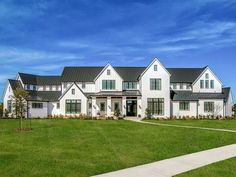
[[99, 91]]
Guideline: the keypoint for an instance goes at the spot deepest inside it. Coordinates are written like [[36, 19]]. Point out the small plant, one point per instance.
[[117, 112], [6, 113], [148, 113]]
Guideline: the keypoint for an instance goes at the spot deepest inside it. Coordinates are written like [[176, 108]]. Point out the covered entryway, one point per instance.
[[131, 108]]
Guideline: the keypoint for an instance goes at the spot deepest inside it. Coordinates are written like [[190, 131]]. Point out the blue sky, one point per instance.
[[41, 37]]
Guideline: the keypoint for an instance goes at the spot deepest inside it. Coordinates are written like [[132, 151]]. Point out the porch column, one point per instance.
[[108, 106], [124, 106], [94, 107], [139, 106]]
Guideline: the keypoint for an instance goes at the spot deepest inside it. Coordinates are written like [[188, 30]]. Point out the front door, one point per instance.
[[131, 107]]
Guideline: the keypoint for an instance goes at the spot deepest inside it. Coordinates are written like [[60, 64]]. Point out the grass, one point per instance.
[[222, 124], [58, 147], [221, 169]]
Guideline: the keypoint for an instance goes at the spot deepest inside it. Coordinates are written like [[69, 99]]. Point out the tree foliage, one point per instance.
[[1, 110], [20, 106], [234, 109]]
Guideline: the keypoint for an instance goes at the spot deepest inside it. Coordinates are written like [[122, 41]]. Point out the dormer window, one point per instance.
[[73, 91], [34, 87], [155, 67], [207, 76], [83, 85], [108, 72]]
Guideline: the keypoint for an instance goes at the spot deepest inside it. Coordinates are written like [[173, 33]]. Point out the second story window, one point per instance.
[[130, 85], [155, 67], [108, 84], [108, 72], [181, 86], [212, 84], [188, 86], [174, 86], [201, 84], [207, 84], [83, 85], [58, 105], [72, 91], [207, 76], [34, 87], [155, 84]]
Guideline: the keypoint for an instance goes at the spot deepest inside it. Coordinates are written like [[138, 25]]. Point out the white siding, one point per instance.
[[229, 105], [217, 83], [192, 112], [113, 76], [178, 87], [162, 74], [38, 112], [89, 87], [218, 104], [8, 95]]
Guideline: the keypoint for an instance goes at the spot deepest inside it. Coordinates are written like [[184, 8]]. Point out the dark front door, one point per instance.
[[131, 107]]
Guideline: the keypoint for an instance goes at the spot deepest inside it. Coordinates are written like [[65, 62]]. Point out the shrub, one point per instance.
[[148, 113], [117, 112]]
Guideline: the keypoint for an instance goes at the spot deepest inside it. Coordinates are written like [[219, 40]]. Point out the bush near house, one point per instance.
[[1, 110]]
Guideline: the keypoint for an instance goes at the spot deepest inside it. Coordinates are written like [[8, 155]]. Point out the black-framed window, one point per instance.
[[9, 105], [155, 84], [73, 106], [209, 106], [212, 84], [72, 91], [201, 84], [129, 85], [83, 85], [37, 105], [207, 84], [116, 106], [181, 86], [156, 106], [174, 86], [108, 72], [108, 84], [184, 105], [155, 67], [207, 76]]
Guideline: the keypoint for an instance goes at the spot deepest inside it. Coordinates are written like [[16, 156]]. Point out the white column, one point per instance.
[[124, 106], [94, 107], [108, 106], [139, 104]]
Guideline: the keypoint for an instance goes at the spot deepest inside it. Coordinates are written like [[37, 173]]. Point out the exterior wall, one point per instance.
[[113, 76], [229, 105], [89, 87], [192, 112], [65, 85], [218, 85], [53, 110], [41, 112], [162, 74], [219, 108], [78, 95], [8, 95], [178, 87]]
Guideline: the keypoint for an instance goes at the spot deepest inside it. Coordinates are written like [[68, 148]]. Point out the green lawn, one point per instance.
[[58, 147], [221, 169], [222, 124]]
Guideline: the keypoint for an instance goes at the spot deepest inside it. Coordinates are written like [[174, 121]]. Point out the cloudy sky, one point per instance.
[[41, 37]]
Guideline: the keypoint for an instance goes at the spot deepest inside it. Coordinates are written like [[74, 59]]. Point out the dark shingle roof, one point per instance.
[[184, 75], [44, 95], [40, 80], [80, 74], [15, 84], [226, 92], [116, 93], [130, 73], [88, 74], [190, 96]]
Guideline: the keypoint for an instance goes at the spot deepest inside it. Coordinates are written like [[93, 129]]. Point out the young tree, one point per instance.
[[234, 109], [1, 110], [20, 103]]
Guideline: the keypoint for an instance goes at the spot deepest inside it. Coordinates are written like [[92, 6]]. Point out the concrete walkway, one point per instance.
[[181, 126], [177, 165]]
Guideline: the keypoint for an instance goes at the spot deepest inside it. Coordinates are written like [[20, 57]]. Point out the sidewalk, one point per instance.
[[177, 165]]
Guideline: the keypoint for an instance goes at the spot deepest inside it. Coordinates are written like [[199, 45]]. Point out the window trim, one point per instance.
[[73, 91], [155, 87], [202, 84], [155, 68], [37, 105], [108, 84], [108, 72], [83, 85], [75, 106], [208, 105], [157, 106], [207, 86], [184, 107], [212, 84]]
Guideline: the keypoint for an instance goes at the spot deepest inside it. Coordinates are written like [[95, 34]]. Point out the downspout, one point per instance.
[[197, 109]]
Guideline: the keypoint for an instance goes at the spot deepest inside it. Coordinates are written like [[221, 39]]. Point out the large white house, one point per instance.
[[99, 91]]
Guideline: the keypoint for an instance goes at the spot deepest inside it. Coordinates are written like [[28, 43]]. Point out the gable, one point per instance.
[[113, 73], [67, 92]]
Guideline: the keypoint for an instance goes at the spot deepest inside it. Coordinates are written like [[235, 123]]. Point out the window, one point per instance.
[[155, 84], [102, 106], [202, 84], [58, 87], [207, 84], [9, 105], [37, 105], [73, 106], [155, 67], [108, 84], [212, 84], [58, 105], [209, 107], [129, 85], [44, 88], [188, 86], [116, 106], [34, 87], [184, 105], [156, 106], [65, 85], [90, 105], [108, 72], [175, 86], [72, 91], [50, 88], [181, 86], [207, 76], [28, 87], [83, 85]]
